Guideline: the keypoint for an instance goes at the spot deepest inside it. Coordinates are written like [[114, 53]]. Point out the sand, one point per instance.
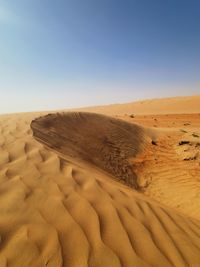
[[172, 105], [65, 202]]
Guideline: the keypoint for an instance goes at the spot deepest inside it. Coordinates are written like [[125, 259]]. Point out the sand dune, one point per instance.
[[61, 205], [172, 105]]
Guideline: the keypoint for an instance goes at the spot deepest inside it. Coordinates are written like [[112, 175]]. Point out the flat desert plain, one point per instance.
[[112, 186]]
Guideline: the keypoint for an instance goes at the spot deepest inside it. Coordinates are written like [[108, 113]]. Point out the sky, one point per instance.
[[74, 53]]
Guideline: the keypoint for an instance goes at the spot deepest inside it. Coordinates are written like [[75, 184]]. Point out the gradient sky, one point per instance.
[[72, 53]]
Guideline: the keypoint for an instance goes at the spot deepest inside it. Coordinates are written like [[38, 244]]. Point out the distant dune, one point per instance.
[[88, 190], [173, 105]]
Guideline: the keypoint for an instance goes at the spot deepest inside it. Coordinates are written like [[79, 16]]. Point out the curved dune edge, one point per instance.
[[54, 213]]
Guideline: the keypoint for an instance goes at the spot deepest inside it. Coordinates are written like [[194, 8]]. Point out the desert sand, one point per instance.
[[81, 189], [171, 105]]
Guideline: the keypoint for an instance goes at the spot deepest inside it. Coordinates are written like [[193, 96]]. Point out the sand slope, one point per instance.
[[59, 211]]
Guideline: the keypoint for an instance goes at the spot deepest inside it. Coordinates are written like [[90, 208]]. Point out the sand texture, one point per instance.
[[81, 189]]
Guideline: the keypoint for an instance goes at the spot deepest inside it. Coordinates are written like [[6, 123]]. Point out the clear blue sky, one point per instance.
[[71, 53]]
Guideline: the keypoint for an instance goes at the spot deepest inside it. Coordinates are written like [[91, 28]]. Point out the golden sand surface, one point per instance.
[[89, 190], [171, 105]]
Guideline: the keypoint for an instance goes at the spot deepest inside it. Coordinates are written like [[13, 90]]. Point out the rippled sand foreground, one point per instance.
[[68, 201]]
